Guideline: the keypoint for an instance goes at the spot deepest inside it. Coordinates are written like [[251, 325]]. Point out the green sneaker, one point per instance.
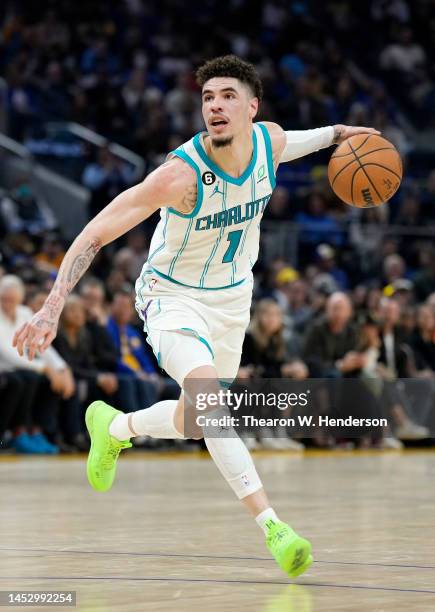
[[291, 552], [105, 449]]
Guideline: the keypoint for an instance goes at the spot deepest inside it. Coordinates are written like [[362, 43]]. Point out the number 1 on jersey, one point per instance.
[[234, 240]]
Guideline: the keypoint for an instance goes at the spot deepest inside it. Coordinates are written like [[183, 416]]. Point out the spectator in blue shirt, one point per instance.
[[134, 363]]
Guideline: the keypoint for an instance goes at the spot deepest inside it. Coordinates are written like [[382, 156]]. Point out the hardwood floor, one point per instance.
[[171, 536]]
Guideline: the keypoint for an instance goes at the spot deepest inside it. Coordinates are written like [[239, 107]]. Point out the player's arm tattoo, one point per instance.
[[189, 198], [72, 269], [81, 263]]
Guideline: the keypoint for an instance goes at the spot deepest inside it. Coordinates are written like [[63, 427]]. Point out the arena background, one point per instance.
[[93, 95]]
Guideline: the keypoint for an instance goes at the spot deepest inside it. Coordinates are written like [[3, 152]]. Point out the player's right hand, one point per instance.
[[36, 335]]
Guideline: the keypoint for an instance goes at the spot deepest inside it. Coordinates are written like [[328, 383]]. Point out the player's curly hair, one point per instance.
[[231, 66]]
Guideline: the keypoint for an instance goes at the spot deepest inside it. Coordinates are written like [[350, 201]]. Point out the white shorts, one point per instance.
[[215, 319]]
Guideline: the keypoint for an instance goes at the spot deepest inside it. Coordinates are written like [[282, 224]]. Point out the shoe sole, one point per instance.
[[300, 558], [89, 420]]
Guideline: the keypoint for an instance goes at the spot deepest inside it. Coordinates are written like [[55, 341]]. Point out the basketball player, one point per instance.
[[194, 292]]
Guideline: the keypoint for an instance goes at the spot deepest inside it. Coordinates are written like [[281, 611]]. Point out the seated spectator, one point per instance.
[[46, 379], [25, 212], [279, 207], [373, 302], [424, 281], [299, 309], [317, 226], [105, 352], [267, 353], [106, 178], [402, 290], [132, 359], [422, 342], [50, 255], [134, 254], [404, 55], [392, 352], [16, 398], [410, 211], [330, 351], [93, 298], [408, 321], [394, 268], [74, 343], [395, 361], [330, 341], [327, 264], [282, 282]]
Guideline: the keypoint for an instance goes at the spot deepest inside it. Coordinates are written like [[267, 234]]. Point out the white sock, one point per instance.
[[264, 517], [156, 421]]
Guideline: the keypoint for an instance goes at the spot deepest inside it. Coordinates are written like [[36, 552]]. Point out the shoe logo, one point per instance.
[[217, 190], [297, 561]]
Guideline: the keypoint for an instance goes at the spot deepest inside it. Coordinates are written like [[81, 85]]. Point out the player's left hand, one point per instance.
[[343, 132]]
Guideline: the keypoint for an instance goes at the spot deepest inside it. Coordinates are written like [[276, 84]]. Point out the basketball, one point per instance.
[[365, 170]]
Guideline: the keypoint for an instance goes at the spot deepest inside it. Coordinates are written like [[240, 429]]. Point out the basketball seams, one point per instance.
[[358, 157], [384, 168], [358, 147], [368, 178], [342, 170]]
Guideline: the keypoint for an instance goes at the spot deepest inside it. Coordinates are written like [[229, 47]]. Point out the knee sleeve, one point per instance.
[[235, 463]]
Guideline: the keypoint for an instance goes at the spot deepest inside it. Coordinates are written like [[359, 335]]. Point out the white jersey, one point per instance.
[[216, 245]]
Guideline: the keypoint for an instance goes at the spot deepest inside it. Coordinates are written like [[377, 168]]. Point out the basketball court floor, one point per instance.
[[171, 536]]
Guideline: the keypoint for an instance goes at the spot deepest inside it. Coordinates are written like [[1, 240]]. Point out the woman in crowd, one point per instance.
[[269, 352]]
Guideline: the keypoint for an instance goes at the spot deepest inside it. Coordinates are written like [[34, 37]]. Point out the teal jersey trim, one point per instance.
[[181, 249], [269, 154], [200, 338], [173, 280], [182, 155], [164, 239], [218, 240], [218, 171]]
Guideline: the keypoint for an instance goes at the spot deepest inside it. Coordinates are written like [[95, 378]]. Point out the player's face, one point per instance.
[[228, 109]]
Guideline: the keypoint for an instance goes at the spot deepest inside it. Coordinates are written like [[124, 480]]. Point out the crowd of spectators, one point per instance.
[[125, 68], [301, 328], [356, 300]]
